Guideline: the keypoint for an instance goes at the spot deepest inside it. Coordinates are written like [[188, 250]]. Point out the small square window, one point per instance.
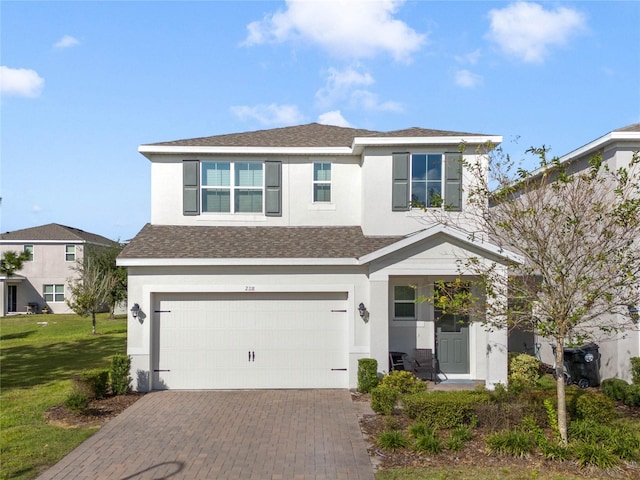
[[404, 302]]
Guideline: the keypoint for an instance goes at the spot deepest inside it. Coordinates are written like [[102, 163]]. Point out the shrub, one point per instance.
[[93, 383], [392, 440], [524, 371], [459, 437], [77, 401], [593, 454], [588, 430], [512, 442], [384, 399], [120, 379], [420, 429], [428, 444], [498, 416], [632, 396], [367, 374], [554, 451], [635, 370], [403, 382], [595, 406], [614, 388], [625, 445], [444, 409]]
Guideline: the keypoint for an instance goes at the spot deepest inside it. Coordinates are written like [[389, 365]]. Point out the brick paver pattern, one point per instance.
[[262, 435]]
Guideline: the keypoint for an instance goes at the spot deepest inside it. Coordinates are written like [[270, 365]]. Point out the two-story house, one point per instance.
[[278, 258], [53, 252]]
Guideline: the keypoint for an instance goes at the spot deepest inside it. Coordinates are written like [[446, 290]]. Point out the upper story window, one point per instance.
[[28, 249], [232, 187], [427, 180], [321, 182], [70, 253]]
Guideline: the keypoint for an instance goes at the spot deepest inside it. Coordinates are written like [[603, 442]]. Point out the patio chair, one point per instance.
[[424, 365]]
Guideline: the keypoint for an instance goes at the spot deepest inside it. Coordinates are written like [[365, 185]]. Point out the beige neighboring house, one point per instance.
[[43, 280], [617, 149]]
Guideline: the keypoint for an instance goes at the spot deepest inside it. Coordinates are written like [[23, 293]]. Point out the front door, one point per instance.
[[452, 343], [12, 298]]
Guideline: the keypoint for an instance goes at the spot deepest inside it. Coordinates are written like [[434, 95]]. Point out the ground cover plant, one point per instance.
[[504, 434], [40, 356]]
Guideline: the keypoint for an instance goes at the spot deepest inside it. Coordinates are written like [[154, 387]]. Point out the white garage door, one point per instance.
[[254, 340]]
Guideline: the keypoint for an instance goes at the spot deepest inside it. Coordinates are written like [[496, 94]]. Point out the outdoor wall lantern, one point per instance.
[[135, 310], [362, 310]]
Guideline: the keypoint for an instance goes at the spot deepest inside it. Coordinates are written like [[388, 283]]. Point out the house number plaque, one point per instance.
[[249, 288]]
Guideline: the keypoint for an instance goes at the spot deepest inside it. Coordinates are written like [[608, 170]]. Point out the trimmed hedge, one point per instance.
[[120, 379], [384, 399], [445, 409], [94, 383], [635, 370]]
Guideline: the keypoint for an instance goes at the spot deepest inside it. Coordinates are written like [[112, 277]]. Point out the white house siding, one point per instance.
[[146, 285], [298, 208], [377, 215]]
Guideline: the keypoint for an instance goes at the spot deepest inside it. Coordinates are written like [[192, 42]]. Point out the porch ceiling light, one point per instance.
[[135, 310]]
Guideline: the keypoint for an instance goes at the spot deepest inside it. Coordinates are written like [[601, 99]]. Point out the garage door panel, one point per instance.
[[203, 341]]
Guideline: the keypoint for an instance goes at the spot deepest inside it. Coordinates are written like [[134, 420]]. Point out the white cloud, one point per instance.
[[369, 101], [470, 58], [340, 83], [333, 118], [528, 31], [269, 115], [20, 82], [66, 42], [36, 208], [345, 28], [467, 79]]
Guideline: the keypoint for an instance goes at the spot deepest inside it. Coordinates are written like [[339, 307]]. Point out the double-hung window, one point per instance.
[[232, 187], [53, 293], [70, 253], [321, 182], [29, 250], [427, 180]]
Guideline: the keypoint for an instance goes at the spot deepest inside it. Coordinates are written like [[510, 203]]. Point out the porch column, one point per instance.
[[497, 340], [3, 297], [379, 320]]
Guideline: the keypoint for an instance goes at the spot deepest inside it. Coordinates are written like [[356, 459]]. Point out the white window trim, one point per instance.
[[394, 302], [232, 187], [32, 251], [315, 182], [53, 293], [67, 253]]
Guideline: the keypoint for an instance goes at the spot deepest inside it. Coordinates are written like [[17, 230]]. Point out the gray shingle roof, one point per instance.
[[194, 242], [310, 135], [629, 128], [55, 232]]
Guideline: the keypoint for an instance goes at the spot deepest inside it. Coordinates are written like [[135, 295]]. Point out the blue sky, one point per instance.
[[83, 84]]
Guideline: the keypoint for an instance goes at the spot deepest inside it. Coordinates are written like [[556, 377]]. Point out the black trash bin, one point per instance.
[[582, 365]]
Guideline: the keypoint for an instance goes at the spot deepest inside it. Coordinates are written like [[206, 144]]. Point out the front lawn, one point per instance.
[[39, 355]]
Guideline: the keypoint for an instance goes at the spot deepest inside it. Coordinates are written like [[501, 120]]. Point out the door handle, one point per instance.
[[252, 356]]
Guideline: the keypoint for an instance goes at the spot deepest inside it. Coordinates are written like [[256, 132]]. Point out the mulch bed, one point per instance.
[[96, 415]]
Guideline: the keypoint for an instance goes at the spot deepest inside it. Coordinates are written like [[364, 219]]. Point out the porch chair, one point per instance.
[[424, 365]]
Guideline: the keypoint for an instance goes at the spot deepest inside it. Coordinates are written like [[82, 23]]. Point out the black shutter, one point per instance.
[[400, 190], [273, 188], [191, 187]]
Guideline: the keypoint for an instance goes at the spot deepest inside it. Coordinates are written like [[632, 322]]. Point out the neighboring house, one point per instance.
[[617, 149], [278, 258], [42, 281]]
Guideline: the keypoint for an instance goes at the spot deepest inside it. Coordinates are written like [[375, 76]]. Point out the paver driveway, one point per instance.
[[274, 434]]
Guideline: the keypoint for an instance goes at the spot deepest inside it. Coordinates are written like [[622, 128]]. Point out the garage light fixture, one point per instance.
[[362, 310], [135, 310]]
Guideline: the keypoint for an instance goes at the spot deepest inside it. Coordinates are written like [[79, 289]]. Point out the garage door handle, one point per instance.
[[252, 356]]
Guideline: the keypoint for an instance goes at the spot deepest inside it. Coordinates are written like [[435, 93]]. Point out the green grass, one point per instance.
[[38, 362], [472, 473]]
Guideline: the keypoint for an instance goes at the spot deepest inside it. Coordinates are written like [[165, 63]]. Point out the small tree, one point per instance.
[[105, 260], [11, 262], [89, 290], [578, 234]]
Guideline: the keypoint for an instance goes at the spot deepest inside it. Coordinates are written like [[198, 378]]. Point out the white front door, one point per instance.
[[253, 340]]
